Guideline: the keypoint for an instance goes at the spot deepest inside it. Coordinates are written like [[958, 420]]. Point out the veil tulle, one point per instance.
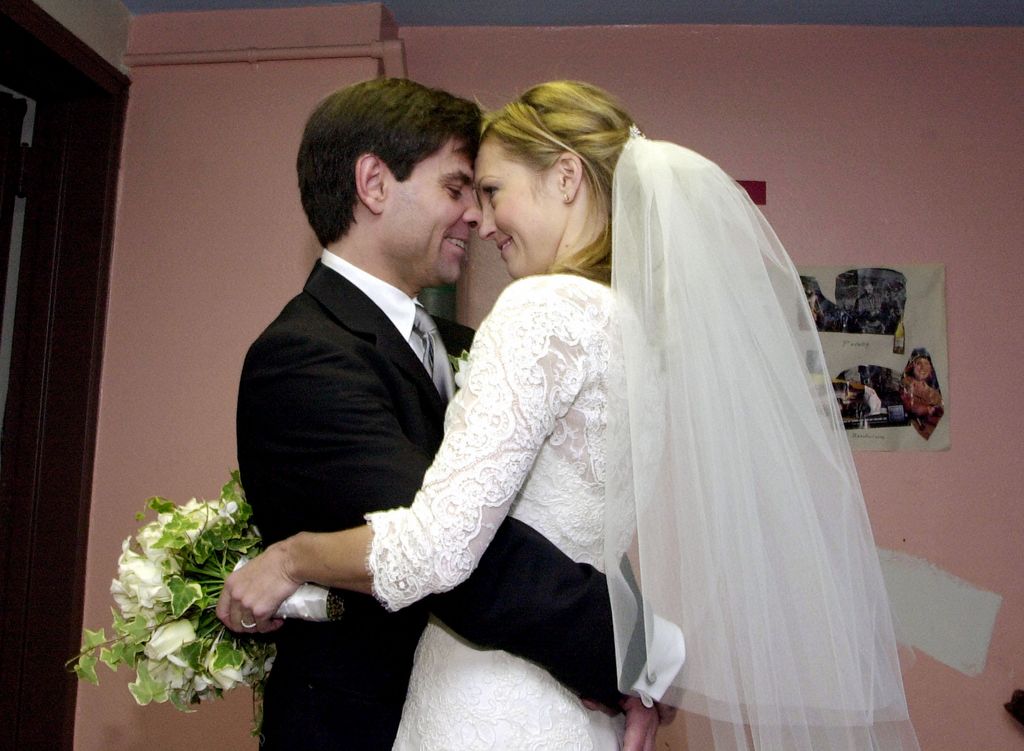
[[743, 521]]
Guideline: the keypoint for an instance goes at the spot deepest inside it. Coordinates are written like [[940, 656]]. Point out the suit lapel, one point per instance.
[[353, 310], [456, 337]]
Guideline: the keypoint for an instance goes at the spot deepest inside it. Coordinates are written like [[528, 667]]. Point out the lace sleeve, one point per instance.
[[528, 362]]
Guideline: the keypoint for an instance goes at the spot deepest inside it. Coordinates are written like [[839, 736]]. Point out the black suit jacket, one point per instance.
[[337, 417]]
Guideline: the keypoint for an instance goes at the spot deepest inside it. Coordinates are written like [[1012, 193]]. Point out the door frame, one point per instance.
[[49, 429]]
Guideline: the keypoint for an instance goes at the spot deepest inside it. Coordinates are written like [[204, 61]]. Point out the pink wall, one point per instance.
[[878, 145]]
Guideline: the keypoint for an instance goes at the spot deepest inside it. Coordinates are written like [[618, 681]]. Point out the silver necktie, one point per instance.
[[434, 357]]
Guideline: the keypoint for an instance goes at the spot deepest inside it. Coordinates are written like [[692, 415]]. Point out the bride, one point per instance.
[[602, 405]]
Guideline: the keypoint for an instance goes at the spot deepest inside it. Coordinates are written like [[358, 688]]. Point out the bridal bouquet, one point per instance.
[[169, 579]]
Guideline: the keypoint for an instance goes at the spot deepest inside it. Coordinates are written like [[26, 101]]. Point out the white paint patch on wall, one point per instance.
[[939, 613], [101, 24]]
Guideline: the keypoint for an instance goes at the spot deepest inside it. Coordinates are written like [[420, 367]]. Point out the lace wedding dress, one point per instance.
[[525, 435]]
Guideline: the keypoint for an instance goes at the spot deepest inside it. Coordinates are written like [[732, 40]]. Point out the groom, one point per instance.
[[337, 416]]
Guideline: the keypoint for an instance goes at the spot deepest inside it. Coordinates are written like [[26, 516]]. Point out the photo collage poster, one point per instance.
[[883, 331]]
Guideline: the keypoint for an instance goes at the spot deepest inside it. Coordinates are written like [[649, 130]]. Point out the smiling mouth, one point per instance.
[[457, 242], [504, 244]]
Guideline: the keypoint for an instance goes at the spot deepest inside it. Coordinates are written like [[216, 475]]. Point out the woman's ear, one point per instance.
[[371, 182], [568, 171]]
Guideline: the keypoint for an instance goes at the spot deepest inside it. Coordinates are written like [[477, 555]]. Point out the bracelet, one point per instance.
[[335, 605]]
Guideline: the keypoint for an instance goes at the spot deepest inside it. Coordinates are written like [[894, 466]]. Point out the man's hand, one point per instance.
[[641, 725], [254, 592]]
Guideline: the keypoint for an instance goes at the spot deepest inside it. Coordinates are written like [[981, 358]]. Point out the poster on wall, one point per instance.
[[883, 331]]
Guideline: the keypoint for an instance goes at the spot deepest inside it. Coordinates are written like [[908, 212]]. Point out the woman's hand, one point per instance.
[[253, 593]]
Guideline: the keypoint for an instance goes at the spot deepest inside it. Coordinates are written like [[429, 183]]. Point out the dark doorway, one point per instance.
[[68, 179]]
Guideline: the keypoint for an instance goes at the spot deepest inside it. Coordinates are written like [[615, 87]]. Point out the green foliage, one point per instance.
[[85, 668], [458, 361], [183, 595], [145, 689]]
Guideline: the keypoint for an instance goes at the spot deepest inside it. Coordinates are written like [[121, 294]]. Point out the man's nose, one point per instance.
[[472, 215]]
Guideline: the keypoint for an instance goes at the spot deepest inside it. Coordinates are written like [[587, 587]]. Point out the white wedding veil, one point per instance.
[[733, 502]]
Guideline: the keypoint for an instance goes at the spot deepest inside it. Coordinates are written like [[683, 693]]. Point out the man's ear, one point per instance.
[[372, 176], [568, 172]]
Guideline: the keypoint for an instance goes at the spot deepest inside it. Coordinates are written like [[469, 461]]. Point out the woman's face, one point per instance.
[[520, 210], [922, 369]]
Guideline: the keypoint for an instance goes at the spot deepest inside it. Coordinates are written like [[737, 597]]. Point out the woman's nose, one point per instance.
[[485, 225]]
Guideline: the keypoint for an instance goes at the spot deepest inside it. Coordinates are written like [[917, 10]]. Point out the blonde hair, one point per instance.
[[569, 116]]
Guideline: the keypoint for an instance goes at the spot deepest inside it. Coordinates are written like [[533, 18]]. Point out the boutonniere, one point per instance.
[[460, 367]]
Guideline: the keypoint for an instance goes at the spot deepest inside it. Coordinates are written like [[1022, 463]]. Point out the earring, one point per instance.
[[565, 197]]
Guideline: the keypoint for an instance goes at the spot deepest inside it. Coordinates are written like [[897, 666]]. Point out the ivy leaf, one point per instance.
[[132, 651], [227, 656], [192, 654], [171, 538], [184, 701], [85, 669], [160, 504], [137, 631], [119, 621], [183, 595], [232, 489], [145, 689], [92, 639], [216, 537], [202, 550], [114, 655], [244, 543]]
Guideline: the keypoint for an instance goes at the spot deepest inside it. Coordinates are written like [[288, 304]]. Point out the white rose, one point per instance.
[[201, 514], [129, 605], [126, 601], [170, 638], [191, 507], [147, 538], [139, 583], [226, 677], [171, 675]]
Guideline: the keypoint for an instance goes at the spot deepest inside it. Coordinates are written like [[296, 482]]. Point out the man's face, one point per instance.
[[431, 229]]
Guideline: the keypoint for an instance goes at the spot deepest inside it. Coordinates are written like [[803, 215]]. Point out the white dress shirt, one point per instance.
[[393, 302]]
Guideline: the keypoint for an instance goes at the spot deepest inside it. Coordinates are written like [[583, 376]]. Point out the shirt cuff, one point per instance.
[[665, 657]]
